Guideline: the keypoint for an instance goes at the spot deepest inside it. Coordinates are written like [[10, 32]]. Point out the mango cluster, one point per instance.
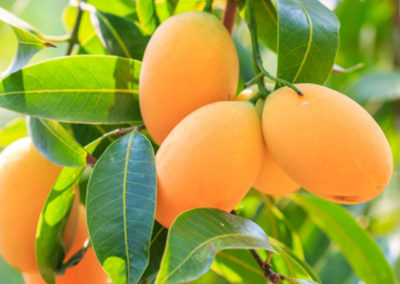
[[26, 178], [214, 148]]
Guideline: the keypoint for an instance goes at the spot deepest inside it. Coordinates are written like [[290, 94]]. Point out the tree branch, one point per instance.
[[229, 16]]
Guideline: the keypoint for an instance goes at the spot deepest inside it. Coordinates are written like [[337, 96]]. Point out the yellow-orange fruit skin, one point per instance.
[[189, 62], [26, 178], [327, 143], [272, 179], [88, 271], [210, 159]]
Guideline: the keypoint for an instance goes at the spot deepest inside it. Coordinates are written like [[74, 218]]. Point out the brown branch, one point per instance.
[[229, 16]]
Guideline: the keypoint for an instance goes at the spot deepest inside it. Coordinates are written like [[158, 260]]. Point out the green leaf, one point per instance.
[[361, 251], [157, 246], [55, 143], [104, 92], [238, 266], [122, 8], [293, 265], [186, 6], [92, 45], [165, 8], [29, 41], [376, 87], [267, 21], [121, 206], [147, 15], [9, 274], [307, 41], [384, 223], [197, 235], [49, 247], [120, 36], [12, 131]]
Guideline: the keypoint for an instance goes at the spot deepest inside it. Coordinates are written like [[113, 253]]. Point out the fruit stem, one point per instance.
[[75, 30], [229, 16], [257, 60], [208, 6], [262, 90]]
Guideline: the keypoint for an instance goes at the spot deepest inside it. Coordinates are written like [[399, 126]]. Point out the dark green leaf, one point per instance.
[[120, 207], [13, 131], [377, 87], [104, 92], [197, 235], [120, 36], [157, 246], [147, 15], [307, 41], [361, 251], [29, 41], [53, 219], [55, 143]]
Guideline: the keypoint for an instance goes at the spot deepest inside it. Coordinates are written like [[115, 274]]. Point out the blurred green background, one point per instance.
[[369, 36]]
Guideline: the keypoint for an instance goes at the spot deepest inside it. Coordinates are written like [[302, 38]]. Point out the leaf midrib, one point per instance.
[[128, 91], [201, 245], [128, 152]]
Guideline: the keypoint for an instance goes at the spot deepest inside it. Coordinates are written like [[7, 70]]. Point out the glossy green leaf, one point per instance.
[[267, 21], [55, 143], [86, 30], [92, 45], [146, 12], [122, 8], [197, 235], [104, 92], [187, 6], [12, 131], [377, 87], [120, 36], [29, 41], [121, 206], [361, 251], [50, 249], [307, 41]]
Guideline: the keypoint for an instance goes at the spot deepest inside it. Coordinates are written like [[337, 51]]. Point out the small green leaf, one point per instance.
[[376, 87], [384, 223], [29, 41], [361, 251], [12, 131], [55, 143], [50, 249], [147, 15], [104, 92], [307, 41], [197, 235], [120, 36], [121, 206]]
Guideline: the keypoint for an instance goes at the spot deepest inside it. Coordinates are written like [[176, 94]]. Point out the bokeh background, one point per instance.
[[368, 69]]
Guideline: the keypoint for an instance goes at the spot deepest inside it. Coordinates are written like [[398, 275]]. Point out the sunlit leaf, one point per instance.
[[91, 89], [147, 15], [30, 41], [12, 131]]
